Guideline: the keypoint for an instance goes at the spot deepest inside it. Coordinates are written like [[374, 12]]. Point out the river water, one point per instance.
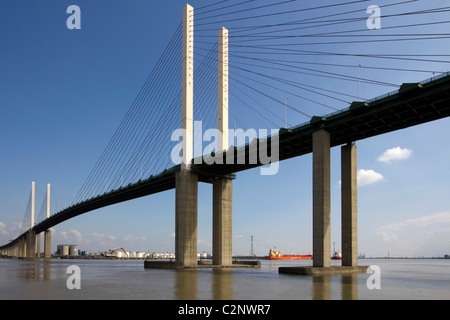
[[406, 279]]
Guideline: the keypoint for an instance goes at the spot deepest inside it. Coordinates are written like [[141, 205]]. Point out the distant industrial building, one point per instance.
[[67, 250]]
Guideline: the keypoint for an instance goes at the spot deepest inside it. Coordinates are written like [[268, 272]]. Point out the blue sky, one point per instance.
[[64, 92]]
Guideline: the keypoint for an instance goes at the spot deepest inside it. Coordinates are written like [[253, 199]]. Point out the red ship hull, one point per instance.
[[289, 257]]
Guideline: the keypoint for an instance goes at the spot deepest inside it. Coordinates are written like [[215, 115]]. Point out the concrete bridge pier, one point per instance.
[[10, 252], [22, 246], [349, 205], [186, 182], [186, 220], [321, 199], [322, 215], [222, 188], [186, 202], [30, 245], [48, 233], [38, 245], [222, 222], [47, 244]]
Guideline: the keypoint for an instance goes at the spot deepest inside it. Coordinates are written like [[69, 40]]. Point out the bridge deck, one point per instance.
[[411, 105]]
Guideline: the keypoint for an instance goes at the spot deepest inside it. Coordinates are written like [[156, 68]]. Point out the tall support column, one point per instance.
[[321, 199], [187, 112], [32, 203], [349, 188], [186, 197], [186, 184], [222, 111], [38, 245], [222, 222], [47, 244], [22, 247], [31, 244], [31, 236], [48, 233], [222, 188]]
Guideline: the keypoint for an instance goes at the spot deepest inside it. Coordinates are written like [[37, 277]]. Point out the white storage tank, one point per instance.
[[73, 250], [132, 255], [140, 255], [63, 250]]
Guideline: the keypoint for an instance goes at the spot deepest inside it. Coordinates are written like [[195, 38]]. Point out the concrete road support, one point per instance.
[[186, 199], [349, 187], [322, 216], [48, 233], [30, 238], [38, 245], [47, 244], [31, 245], [222, 222], [22, 247], [321, 199], [222, 188]]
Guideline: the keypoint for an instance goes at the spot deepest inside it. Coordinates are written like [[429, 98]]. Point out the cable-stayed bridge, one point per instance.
[[252, 65]]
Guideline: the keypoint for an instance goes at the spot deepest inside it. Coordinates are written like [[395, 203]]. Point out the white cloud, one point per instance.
[[204, 243], [99, 240], [72, 235], [101, 236], [366, 177], [391, 231], [393, 154], [3, 231], [130, 237]]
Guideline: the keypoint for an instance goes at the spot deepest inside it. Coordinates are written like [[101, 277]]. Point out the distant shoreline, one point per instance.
[[397, 258], [236, 258]]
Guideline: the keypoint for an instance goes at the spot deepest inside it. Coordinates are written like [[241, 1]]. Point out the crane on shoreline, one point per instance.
[[114, 250]]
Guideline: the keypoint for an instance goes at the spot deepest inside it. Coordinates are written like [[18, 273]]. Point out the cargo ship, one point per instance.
[[336, 256], [276, 255]]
